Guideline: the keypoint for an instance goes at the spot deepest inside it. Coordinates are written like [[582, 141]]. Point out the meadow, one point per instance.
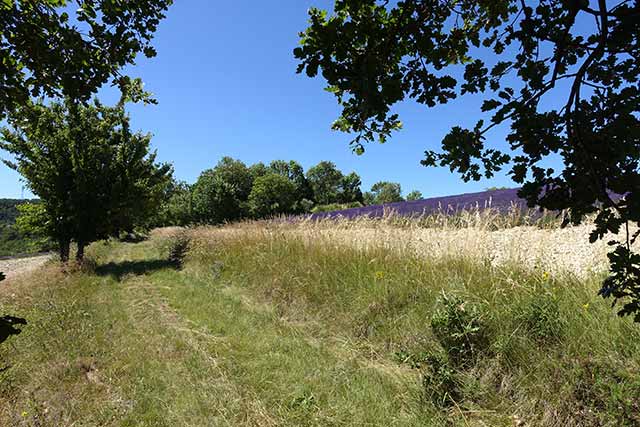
[[474, 320]]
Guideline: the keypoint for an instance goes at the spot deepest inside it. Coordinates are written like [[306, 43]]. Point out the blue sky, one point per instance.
[[226, 85]]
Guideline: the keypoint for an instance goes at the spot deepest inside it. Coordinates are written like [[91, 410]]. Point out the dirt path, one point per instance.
[[17, 266]]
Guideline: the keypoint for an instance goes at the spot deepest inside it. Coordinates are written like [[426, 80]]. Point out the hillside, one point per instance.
[[9, 210], [279, 324], [12, 241]]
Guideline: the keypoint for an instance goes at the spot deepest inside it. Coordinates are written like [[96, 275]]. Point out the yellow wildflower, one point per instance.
[[379, 275]]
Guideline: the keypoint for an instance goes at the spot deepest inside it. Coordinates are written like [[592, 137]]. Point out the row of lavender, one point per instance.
[[499, 200]]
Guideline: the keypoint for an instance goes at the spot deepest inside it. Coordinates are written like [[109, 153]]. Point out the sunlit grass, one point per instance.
[[286, 325]]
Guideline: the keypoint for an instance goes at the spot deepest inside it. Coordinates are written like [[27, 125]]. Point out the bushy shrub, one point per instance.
[[459, 328], [335, 207], [440, 381], [178, 248]]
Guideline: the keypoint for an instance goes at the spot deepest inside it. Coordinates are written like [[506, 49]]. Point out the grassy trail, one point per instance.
[[128, 346], [262, 331]]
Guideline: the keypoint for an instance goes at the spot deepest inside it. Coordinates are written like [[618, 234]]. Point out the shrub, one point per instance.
[[178, 248], [459, 329], [335, 207], [440, 381]]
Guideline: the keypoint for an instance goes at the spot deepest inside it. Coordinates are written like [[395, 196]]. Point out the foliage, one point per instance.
[[441, 382], [386, 192], [9, 210], [414, 195], [368, 198], [325, 181], [231, 191], [272, 194], [350, 189], [333, 207], [178, 248], [459, 328], [220, 194], [45, 51], [176, 208], [294, 172], [563, 75], [14, 239], [258, 169], [94, 177]]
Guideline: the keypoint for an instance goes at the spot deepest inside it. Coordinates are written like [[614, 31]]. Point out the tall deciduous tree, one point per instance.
[[294, 172], [325, 180], [414, 195], [386, 192], [45, 51], [563, 74], [220, 194], [350, 189], [272, 194], [176, 207], [94, 177]]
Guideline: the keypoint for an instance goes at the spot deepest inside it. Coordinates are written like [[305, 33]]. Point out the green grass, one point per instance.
[[269, 330]]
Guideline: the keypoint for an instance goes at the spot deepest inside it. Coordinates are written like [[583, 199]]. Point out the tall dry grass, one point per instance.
[[524, 239]]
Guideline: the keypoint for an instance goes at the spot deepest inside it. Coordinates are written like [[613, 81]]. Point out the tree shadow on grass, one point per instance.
[[118, 270], [8, 327]]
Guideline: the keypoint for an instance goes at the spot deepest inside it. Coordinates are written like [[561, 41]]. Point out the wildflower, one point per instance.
[[585, 306], [379, 275], [24, 414], [545, 276]]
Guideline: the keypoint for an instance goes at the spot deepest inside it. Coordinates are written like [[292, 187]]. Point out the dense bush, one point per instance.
[[459, 328], [335, 207], [272, 194]]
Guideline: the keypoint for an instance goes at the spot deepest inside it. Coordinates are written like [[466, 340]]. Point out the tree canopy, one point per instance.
[[272, 194], [561, 74], [325, 180], [94, 177], [220, 194], [46, 50], [386, 192], [414, 195]]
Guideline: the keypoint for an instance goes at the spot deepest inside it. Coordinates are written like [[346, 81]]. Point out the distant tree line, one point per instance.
[[233, 191]]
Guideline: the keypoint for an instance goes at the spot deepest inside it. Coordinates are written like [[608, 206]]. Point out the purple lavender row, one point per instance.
[[498, 200]]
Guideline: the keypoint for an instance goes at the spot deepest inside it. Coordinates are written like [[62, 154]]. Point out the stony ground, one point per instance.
[[17, 266]]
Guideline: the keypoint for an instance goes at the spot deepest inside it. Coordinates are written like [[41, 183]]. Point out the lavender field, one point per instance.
[[497, 200]]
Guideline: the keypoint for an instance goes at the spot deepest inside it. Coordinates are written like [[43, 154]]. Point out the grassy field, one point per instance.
[[286, 325]]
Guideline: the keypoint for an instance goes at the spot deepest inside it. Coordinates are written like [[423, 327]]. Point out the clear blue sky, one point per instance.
[[226, 85]]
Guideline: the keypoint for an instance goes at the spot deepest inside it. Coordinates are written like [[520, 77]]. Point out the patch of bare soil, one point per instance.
[[18, 266]]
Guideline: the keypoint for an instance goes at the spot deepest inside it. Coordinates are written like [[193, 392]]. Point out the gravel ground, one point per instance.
[[15, 267]]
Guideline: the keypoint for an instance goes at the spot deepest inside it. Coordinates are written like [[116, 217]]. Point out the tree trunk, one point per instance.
[[80, 252], [63, 250]]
